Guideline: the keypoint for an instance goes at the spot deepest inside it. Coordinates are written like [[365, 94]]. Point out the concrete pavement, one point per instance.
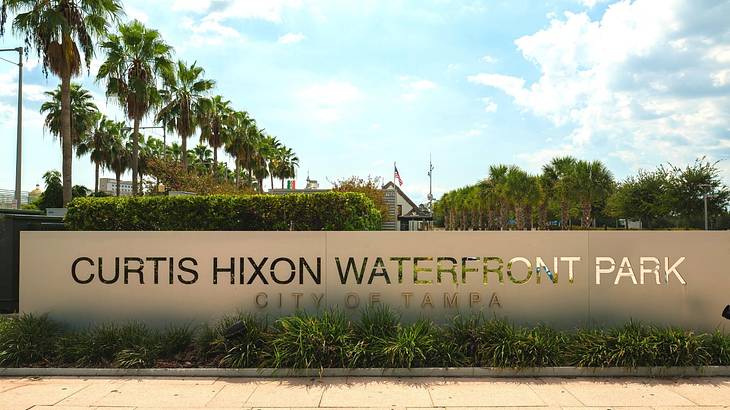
[[372, 393]]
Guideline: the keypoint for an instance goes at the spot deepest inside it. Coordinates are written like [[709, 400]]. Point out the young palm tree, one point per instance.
[[216, 115], [137, 57], [240, 142], [591, 182], [271, 149], [83, 113], [560, 171], [97, 144], [184, 97], [57, 30]]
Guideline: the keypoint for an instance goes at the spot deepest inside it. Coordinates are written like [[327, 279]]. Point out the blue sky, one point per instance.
[[354, 86]]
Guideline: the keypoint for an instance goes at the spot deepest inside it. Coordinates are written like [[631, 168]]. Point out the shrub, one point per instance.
[[301, 212], [304, 341], [27, 340], [376, 323], [718, 347]]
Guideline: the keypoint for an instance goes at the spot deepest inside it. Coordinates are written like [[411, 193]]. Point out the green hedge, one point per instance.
[[331, 211], [377, 339]]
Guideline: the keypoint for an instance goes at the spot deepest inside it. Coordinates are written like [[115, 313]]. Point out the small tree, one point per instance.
[[372, 187]]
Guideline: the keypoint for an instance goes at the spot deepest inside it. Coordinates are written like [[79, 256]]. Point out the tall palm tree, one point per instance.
[[271, 149], [240, 142], [591, 182], [498, 183], [184, 96], [119, 154], [83, 113], [560, 171], [216, 115], [97, 144], [286, 163], [517, 184], [136, 59], [174, 151], [57, 29]]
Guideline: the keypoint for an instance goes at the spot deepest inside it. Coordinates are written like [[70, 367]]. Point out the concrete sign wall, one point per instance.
[[565, 279]]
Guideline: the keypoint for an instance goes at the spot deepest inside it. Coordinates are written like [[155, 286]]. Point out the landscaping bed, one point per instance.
[[377, 340]]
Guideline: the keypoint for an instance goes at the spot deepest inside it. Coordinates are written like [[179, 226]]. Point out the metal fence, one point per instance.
[[7, 198]]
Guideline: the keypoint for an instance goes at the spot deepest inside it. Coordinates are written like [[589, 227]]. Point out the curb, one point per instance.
[[703, 371]]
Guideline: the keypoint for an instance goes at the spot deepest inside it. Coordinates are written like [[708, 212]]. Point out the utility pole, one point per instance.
[[430, 184], [706, 195], [19, 152]]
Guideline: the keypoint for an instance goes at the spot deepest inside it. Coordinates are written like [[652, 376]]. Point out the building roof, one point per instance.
[[401, 193]]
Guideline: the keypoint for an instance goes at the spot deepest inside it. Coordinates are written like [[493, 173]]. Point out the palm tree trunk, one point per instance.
[[238, 174], [215, 161], [563, 215], [96, 177], [528, 214], [586, 222], [66, 137], [542, 218], [519, 218], [135, 155], [184, 153], [490, 218], [271, 178], [119, 182]]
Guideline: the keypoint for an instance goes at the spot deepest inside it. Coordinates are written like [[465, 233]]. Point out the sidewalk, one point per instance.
[[381, 393]]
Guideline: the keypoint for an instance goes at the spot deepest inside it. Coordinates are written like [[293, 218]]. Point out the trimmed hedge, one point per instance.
[[329, 211], [330, 339]]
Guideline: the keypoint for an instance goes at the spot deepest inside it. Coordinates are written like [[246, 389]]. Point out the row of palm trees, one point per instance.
[[510, 193], [110, 145], [141, 77]]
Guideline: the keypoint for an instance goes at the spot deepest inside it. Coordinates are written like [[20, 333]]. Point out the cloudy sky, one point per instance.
[[354, 86]]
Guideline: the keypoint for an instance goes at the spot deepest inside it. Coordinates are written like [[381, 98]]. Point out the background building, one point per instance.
[[109, 186]]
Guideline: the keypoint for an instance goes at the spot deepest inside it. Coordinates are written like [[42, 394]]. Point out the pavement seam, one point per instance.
[[529, 386], [428, 389], [256, 387], [570, 393]]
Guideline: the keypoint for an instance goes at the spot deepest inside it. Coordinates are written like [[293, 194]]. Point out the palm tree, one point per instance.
[[119, 153], [285, 164], [239, 144], [184, 97], [271, 149], [498, 184], [97, 144], [57, 29], [83, 113], [201, 158], [136, 58], [174, 151], [590, 182], [216, 115], [560, 171], [517, 183]]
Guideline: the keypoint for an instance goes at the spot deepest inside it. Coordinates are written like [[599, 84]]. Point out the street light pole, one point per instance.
[[19, 152], [706, 186]]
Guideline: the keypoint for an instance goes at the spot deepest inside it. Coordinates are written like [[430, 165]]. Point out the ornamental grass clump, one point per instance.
[[304, 341], [376, 323], [501, 344], [414, 345], [718, 347], [27, 340]]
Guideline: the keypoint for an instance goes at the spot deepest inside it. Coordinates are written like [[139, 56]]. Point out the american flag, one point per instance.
[[396, 175]]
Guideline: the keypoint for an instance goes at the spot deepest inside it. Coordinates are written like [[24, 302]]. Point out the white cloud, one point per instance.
[[136, 14], [489, 105], [413, 87], [328, 101], [210, 32], [9, 87], [268, 10], [647, 75], [489, 59], [291, 38]]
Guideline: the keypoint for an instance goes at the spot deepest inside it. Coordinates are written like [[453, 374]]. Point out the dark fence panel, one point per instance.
[[10, 226]]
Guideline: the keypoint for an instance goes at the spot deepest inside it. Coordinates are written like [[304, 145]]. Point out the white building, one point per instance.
[[109, 186], [405, 214]]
